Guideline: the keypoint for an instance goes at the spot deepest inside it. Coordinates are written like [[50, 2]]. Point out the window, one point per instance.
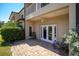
[[13, 17], [21, 16], [44, 4]]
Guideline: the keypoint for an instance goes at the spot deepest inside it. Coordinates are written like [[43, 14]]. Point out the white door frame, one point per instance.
[[53, 38]]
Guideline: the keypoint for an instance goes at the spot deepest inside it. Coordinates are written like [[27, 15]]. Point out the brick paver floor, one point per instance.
[[33, 48]]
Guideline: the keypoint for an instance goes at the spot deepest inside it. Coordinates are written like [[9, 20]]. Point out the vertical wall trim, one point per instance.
[[72, 16]]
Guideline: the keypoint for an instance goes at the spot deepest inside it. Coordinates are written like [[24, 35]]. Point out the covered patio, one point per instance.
[[32, 47]]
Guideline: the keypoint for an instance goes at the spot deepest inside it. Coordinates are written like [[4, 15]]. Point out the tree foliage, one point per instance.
[[10, 24], [1, 23]]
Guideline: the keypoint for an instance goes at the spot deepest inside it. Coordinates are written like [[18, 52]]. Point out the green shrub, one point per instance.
[[11, 31], [12, 34], [72, 39]]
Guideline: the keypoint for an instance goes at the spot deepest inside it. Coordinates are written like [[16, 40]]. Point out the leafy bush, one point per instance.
[[72, 39], [12, 32], [0, 30]]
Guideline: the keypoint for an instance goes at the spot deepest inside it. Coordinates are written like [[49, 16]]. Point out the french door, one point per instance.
[[48, 33]]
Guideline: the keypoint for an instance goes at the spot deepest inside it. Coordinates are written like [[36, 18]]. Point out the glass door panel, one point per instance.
[[44, 32], [54, 31], [49, 32]]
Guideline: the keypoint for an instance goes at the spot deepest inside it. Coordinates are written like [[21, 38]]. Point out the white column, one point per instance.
[[72, 16], [36, 6], [26, 30], [72, 19]]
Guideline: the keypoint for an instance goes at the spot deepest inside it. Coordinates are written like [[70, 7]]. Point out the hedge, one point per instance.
[[12, 34]]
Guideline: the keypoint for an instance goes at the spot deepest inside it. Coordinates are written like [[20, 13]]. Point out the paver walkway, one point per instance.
[[33, 48]]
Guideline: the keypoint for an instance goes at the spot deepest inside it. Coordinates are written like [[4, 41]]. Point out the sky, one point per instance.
[[7, 8]]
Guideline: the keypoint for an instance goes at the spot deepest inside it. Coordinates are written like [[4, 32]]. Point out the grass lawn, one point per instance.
[[4, 50]]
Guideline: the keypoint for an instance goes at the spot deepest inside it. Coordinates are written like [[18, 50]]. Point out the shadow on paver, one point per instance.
[[43, 44]]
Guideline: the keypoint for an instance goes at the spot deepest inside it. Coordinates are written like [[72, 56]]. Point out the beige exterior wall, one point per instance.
[[27, 24], [39, 17], [14, 17], [17, 16], [62, 23], [51, 7], [45, 9], [20, 17]]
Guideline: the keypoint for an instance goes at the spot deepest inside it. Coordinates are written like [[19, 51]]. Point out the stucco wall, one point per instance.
[[62, 23], [27, 24], [47, 8]]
